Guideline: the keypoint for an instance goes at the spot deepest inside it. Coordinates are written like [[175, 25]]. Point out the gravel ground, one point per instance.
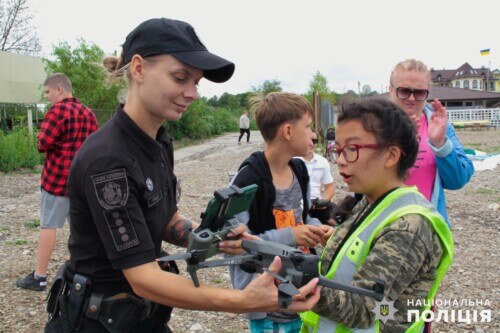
[[473, 210]]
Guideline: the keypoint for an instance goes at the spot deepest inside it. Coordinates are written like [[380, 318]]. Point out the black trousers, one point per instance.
[[243, 131]]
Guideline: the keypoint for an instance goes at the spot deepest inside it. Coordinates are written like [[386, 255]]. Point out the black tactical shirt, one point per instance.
[[122, 192]]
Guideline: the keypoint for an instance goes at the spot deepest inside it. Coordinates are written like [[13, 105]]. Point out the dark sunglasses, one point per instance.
[[418, 94], [315, 141]]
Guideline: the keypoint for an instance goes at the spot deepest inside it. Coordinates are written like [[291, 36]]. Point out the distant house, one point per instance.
[[466, 77]]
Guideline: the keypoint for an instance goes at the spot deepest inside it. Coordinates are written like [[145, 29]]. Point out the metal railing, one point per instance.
[[470, 115]]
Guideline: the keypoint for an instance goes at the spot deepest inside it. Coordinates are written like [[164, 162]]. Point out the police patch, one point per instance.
[[111, 188], [121, 228]]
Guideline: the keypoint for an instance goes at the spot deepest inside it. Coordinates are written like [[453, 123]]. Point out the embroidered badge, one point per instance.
[[111, 188], [121, 228], [154, 199], [149, 184]]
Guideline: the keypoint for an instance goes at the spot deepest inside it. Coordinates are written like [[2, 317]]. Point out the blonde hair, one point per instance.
[[277, 108], [410, 65], [59, 80], [116, 68]]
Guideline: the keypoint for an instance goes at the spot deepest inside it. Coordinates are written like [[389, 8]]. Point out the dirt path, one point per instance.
[[473, 211]]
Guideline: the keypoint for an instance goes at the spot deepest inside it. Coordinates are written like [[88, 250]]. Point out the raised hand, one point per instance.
[[436, 130]]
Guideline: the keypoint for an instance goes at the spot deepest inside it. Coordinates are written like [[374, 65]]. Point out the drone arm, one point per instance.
[[377, 294]]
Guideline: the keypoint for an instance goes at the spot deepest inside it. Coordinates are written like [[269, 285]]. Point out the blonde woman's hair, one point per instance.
[[277, 108], [410, 65], [116, 68]]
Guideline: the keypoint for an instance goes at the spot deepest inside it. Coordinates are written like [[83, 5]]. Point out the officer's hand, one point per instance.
[[263, 293]]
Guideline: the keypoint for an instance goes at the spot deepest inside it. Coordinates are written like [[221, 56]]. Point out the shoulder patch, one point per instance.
[[111, 188], [121, 228]]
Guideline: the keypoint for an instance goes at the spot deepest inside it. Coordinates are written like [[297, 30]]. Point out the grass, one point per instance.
[[33, 224], [18, 149], [485, 191], [216, 280], [483, 147], [3, 229], [17, 242]]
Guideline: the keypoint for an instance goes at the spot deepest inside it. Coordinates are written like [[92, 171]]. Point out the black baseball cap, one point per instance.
[[165, 36]]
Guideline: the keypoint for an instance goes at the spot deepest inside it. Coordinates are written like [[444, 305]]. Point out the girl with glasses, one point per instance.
[[392, 236]]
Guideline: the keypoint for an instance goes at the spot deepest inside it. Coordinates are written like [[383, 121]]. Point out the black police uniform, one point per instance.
[[122, 192]]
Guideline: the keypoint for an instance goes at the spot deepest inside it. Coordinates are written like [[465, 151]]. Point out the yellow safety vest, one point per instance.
[[400, 202]]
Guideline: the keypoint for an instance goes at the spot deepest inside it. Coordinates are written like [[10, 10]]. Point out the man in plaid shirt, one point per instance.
[[64, 128]]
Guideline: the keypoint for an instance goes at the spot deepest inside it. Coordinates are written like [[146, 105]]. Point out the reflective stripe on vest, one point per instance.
[[400, 202]]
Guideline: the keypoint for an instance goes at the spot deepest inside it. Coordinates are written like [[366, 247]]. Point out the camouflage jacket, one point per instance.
[[403, 255]]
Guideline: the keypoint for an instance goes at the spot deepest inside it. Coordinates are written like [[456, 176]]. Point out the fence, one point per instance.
[[27, 115], [470, 115]]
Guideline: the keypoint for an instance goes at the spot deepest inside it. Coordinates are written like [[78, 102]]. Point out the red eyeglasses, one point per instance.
[[351, 151]]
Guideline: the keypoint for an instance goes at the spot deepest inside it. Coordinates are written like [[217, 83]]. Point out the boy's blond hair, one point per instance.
[[278, 108], [59, 80]]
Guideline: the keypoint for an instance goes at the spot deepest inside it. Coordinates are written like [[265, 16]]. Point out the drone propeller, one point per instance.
[[285, 289], [285, 286]]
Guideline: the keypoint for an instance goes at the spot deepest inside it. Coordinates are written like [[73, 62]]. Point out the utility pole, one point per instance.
[[359, 89]]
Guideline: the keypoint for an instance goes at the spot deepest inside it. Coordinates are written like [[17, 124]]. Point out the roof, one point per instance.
[[463, 71]]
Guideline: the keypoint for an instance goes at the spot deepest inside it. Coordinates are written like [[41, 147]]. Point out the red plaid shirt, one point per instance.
[[64, 128]]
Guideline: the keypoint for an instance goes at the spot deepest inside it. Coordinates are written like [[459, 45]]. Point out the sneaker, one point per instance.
[[32, 283]]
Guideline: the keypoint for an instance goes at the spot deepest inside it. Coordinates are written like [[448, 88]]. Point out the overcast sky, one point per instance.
[[348, 41]]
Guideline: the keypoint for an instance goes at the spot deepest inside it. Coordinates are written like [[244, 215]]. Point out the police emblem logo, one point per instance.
[[149, 184], [384, 309], [111, 188]]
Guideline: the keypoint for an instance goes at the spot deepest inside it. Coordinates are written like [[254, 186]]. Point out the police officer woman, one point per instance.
[[122, 192]]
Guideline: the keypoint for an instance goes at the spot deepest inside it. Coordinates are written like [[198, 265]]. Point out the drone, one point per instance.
[[297, 269]]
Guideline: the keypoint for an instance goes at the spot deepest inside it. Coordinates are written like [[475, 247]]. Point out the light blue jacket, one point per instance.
[[454, 168]]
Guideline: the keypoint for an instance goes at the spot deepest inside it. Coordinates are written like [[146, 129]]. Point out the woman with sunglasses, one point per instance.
[[441, 161], [393, 236]]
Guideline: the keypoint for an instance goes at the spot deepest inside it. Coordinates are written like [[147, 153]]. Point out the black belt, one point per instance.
[[119, 312]]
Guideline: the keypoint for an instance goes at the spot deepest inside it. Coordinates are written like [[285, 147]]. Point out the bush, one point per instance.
[[18, 149], [203, 121]]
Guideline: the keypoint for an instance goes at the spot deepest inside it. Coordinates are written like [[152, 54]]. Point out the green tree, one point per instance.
[[319, 83], [268, 86], [228, 101], [82, 66]]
